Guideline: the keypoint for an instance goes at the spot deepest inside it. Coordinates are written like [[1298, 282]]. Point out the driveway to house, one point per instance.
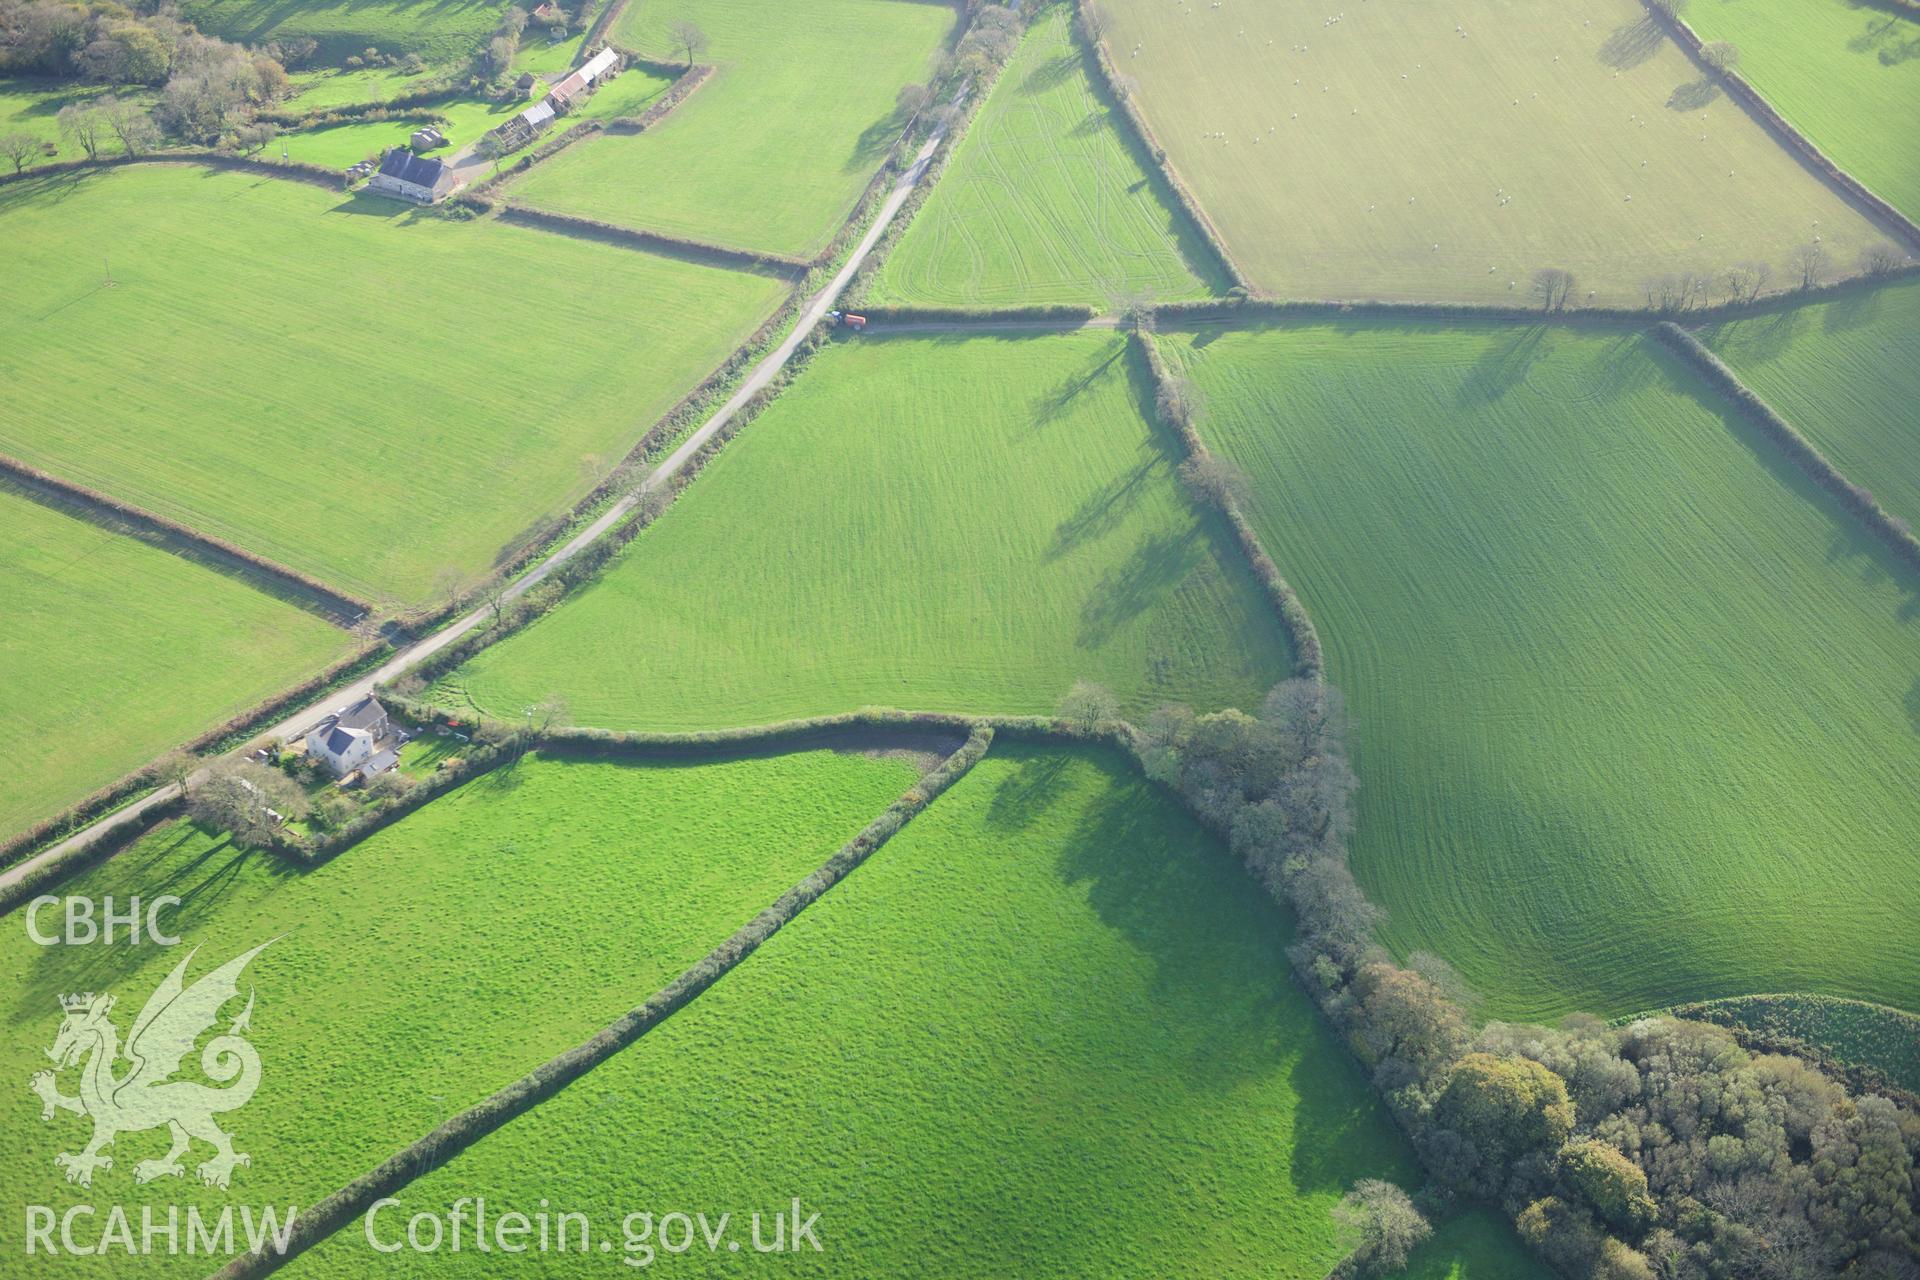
[[296, 725]]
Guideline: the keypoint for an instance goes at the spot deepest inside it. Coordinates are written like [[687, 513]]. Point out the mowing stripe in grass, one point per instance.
[[463, 1130]]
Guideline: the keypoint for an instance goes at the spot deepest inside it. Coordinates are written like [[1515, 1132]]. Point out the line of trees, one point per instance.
[[208, 89], [1657, 1151]]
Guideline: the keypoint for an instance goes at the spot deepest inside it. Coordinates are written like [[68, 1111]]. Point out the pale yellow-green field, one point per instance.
[[1446, 152]]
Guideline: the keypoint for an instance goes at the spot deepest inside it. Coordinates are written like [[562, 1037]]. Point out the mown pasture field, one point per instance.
[[1045, 201], [1392, 156], [1845, 74], [114, 651], [440, 31], [274, 366], [1048, 1030], [1847, 374], [437, 961], [1638, 706], [934, 524], [774, 150], [340, 87]]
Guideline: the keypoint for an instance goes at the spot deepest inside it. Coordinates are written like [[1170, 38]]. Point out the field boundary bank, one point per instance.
[[560, 564], [1850, 188], [669, 425], [683, 87], [229, 559], [1776, 1033], [975, 93], [1171, 408], [1855, 500], [505, 1105], [103, 802], [1087, 28], [701, 251]]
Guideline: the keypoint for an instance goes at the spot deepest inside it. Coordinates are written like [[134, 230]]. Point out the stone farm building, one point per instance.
[[412, 177], [536, 119]]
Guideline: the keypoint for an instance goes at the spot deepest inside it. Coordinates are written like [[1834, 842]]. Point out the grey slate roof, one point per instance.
[[363, 714], [403, 164], [338, 740]]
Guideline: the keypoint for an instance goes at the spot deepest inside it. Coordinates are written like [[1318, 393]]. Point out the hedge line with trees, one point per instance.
[[1091, 27], [475, 1123], [654, 241], [1658, 1149], [1064, 312], [329, 602], [1213, 481], [1716, 62], [1885, 526]]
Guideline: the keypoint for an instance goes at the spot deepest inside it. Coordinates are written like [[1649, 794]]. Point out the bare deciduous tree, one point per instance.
[[80, 124], [131, 123], [1553, 286], [1212, 480], [689, 40], [1721, 55], [1745, 281], [18, 147], [1811, 262], [247, 800], [1879, 259]]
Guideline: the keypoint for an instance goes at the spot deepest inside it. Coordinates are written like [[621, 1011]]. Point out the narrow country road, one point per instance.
[[763, 374]]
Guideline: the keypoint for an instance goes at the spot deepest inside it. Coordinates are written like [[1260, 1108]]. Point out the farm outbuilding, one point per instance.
[[412, 177], [594, 69]]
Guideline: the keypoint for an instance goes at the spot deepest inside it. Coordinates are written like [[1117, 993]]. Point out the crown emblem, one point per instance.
[[77, 1003]]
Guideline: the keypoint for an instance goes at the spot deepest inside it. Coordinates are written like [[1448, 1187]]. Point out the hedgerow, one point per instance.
[[543, 1082], [1667, 16], [1886, 527], [1173, 408]]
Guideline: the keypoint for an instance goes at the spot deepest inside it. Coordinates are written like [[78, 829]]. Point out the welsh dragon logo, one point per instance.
[[144, 1096]]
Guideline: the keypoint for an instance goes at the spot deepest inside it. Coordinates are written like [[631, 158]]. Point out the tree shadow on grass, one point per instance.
[[1024, 794], [156, 867], [1632, 45], [1102, 512], [1225, 1012], [1054, 71], [1056, 403], [1504, 366], [1152, 572], [1694, 95]]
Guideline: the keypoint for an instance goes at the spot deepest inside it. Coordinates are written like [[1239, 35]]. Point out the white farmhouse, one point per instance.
[[351, 738]]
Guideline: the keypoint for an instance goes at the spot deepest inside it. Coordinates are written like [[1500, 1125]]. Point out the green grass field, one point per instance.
[[772, 152], [339, 87], [272, 365], [438, 30], [1846, 74], [31, 105], [1847, 374], [114, 651], [1045, 201], [1543, 136], [1047, 1031], [1474, 1244], [923, 523], [437, 961], [1638, 707]]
